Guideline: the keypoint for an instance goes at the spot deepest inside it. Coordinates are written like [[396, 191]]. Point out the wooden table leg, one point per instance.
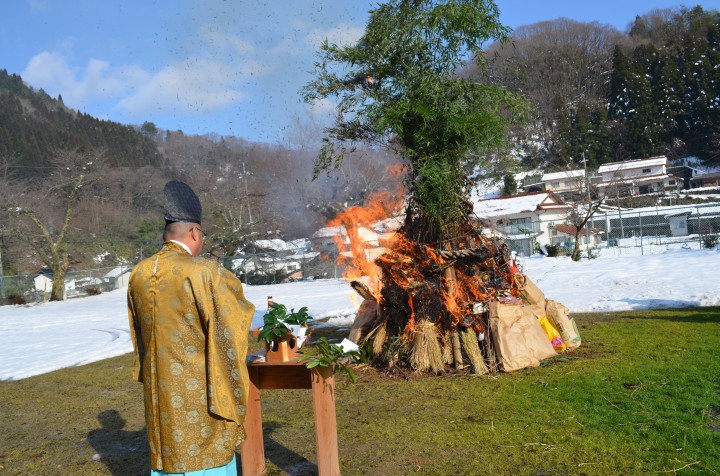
[[252, 451], [323, 390]]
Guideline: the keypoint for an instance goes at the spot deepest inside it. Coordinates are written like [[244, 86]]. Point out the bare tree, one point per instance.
[[44, 215], [589, 199], [580, 215], [557, 65]]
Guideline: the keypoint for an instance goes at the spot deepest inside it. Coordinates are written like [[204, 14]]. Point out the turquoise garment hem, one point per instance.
[[229, 469]]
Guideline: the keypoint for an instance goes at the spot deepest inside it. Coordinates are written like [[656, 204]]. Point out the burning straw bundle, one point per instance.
[[433, 301]]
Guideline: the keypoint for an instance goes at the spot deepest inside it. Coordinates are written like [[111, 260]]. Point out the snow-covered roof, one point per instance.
[[679, 214], [633, 164], [120, 270], [366, 234], [275, 244], [304, 256], [709, 176], [379, 228], [697, 209], [528, 202], [566, 174]]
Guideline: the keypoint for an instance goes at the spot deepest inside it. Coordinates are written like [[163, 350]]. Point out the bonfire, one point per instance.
[[425, 306]]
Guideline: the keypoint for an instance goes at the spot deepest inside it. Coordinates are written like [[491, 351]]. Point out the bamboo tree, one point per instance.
[[398, 87]]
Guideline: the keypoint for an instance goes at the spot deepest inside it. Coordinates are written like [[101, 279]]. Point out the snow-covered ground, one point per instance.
[[43, 337]]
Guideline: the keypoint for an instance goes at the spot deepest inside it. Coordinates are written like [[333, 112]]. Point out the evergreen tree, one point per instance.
[[619, 80], [509, 185]]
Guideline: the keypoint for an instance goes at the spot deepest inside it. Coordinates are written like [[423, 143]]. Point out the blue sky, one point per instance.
[[233, 67]]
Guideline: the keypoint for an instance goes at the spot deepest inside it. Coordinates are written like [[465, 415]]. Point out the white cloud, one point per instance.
[[78, 85], [341, 34], [322, 108], [192, 86]]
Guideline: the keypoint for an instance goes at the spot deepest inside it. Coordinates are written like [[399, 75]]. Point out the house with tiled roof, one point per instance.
[[524, 220], [566, 183], [637, 177]]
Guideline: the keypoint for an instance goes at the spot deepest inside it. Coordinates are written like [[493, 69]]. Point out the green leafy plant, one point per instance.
[[277, 319], [710, 241], [298, 318], [552, 250], [592, 253], [325, 354]]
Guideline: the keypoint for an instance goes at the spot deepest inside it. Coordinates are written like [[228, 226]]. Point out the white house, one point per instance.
[[326, 239], [566, 182], [43, 281], [274, 257], [638, 177], [118, 277], [525, 219], [678, 223]]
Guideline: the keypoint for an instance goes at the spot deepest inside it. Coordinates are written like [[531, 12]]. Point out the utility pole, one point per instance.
[[589, 200], [2, 275], [247, 195]]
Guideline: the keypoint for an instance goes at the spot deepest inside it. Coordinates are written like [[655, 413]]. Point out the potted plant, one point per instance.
[[297, 322], [281, 342]]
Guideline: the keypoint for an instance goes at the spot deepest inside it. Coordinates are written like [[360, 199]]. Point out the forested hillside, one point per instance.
[[611, 96], [33, 126], [115, 174]]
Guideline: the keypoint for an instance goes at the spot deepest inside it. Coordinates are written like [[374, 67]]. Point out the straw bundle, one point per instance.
[[380, 338], [426, 353], [447, 353], [472, 349]]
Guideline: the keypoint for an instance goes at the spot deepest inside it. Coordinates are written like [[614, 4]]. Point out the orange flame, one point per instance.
[[432, 283], [361, 244], [363, 238]]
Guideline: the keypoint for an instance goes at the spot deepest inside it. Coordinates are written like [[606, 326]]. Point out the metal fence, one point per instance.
[[25, 288], [268, 267], [642, 230], [271, 267], [687, 226]]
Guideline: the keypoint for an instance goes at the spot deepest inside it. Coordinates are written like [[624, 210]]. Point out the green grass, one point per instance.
[[641, 396]]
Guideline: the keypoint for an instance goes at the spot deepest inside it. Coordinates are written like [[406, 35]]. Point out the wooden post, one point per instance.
[[323, 390], [253, 448]]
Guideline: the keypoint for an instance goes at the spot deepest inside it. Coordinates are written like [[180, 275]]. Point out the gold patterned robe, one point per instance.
[[189, 323]]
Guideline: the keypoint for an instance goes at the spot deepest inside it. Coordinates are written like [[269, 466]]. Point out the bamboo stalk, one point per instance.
[[451, 288], [457, 351], [380, 338], [489, 348]]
